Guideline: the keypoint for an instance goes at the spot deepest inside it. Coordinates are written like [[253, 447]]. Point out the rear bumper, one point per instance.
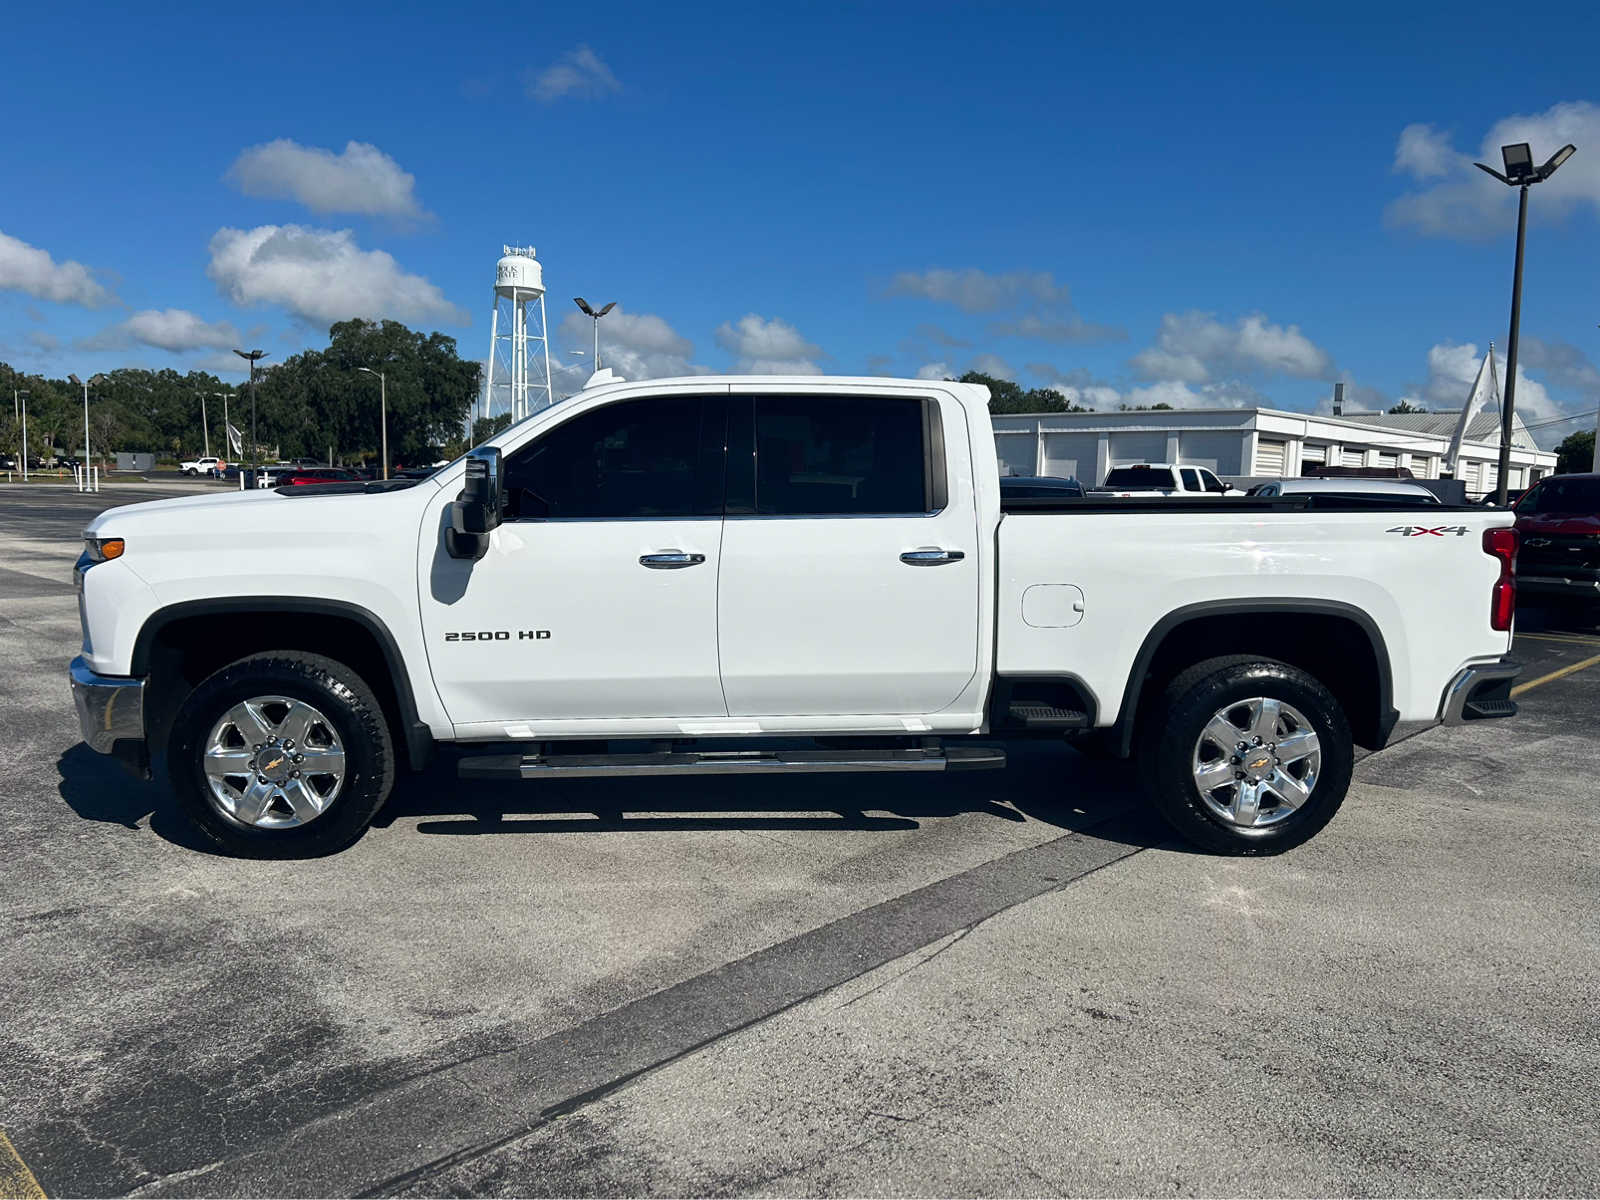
[[110, 713], [1480, 692]]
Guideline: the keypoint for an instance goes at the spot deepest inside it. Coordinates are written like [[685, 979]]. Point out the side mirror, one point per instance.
[[477, 510], [1226, 486]]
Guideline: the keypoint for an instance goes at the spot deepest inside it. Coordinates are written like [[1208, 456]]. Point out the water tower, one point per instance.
[[519, 353]]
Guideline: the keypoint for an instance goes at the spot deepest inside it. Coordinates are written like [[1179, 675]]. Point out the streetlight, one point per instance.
[[205, 429], [22, 398], [253, 356], [383, 401], [85, 386], [1520, 173], [226, 440], [595, 317]]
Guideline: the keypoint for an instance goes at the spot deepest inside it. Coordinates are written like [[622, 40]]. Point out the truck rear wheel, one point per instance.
[[1246, 755], [281, 755]]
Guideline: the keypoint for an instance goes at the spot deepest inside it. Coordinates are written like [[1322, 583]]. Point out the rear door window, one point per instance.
[[1191, 480], [1140, 477], [836, 456]]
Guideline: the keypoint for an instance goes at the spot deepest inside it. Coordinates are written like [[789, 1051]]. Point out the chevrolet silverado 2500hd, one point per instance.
[[759, 575]]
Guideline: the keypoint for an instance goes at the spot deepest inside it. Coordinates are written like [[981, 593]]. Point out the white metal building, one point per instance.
[[1263, 443]]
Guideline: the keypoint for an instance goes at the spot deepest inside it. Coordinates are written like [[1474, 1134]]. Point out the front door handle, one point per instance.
[[670, 560], [931, 558]]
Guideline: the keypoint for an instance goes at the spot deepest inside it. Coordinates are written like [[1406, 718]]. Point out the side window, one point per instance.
[[1191, 480], [841, 456], [1210, 481], [660, 456]]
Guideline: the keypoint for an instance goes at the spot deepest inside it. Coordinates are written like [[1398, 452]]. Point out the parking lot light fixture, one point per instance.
[[93, 379], [383, 404], [22, 397], [1521, 174], [595, 317], [253, 357]]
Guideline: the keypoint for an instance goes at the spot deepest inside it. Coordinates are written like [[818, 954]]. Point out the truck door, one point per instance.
[[598, 596], [850, 577]]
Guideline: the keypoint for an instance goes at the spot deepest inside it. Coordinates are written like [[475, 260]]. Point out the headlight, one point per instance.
[[100, 550]]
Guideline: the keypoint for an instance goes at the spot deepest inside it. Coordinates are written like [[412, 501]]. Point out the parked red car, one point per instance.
[[1558, 534], [299, 476]]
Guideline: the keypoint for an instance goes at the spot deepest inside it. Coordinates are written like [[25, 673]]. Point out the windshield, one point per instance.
[[1140, 477], [1576, 494]]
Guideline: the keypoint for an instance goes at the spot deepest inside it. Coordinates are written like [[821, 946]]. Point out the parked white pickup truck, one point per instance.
[[1164, 479], [696, 575]]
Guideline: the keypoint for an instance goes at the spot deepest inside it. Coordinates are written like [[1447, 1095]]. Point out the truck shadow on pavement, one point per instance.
[[1046, 782]]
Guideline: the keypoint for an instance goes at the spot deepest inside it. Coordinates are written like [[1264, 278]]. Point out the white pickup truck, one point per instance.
[[760, 575], [1164, 479]]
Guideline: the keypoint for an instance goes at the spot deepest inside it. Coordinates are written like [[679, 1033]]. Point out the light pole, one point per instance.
[[223, 396], [253, 356], [22, 398], [383, 402], [595, 317], [1521, 174], [205, 429], [85, 386]]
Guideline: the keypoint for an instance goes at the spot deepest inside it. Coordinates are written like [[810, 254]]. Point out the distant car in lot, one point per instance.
[[1375, 489], [1558, 531], [1492, 500], [1038, 487], [1163, 479], [207, 465]]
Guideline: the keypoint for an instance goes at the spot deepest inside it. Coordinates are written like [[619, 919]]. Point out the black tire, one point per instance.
[[191, 471], [1170, 731], [348, 704]]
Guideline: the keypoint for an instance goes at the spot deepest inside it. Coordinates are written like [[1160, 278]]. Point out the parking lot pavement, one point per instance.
[[996, 984]]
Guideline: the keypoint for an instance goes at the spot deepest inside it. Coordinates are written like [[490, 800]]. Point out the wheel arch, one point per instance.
[[1338, 643], [183, 643]]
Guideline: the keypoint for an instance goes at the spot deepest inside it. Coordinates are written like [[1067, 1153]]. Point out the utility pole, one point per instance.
[[383, 402], [205, 429], [253, 356], [22, 398]]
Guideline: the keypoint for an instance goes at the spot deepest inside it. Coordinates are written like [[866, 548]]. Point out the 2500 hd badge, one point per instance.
[[497, 635]]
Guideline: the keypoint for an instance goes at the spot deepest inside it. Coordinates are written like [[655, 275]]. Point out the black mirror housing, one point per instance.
[[478, 509]]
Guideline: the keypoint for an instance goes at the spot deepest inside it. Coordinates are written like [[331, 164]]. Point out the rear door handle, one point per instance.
[[670, 560], [931, 558]]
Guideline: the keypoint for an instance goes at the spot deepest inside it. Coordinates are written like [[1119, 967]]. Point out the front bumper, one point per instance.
[[1480, 692], [110, 712]]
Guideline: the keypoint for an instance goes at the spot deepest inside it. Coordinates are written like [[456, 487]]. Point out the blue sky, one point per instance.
[[1208, 205]]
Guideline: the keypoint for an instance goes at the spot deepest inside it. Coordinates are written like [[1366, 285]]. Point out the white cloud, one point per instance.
[[1564, 363], [993, 365], [363, 179], [173, 329], [1424, 152], [1194, 347], [322, 276], [935, 370], [972, 290], [579, 72], [635, 347], [1044, 328], [1467, 203], [764, 347], [28, 269]]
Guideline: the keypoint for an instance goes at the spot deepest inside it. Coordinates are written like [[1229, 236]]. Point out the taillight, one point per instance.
[[1502, 544]]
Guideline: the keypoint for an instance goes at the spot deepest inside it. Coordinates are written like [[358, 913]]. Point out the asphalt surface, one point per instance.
[[999, 983]]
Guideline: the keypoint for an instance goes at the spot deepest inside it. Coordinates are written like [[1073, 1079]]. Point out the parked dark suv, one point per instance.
[[1558, 528]]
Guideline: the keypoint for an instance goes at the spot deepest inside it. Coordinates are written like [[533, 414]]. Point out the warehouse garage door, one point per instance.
[[1219, 452], [1071, 455], [1015, 451], [1354, 458], [1269, 458], [1129, 448], [1312, 456]]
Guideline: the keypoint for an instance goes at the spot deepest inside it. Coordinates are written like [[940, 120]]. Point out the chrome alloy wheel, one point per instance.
[[1256, 762], [273, 762]]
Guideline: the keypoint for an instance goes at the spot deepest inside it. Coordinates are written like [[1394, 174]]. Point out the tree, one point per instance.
[[1007, 396], [1405, 406], [1161, 407], [1575, 453]]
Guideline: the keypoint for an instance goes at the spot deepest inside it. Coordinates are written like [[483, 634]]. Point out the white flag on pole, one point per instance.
[[235, 441], [1485, 394]]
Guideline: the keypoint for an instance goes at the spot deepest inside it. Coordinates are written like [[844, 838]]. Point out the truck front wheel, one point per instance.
[[281, 755], [1246, 755]]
